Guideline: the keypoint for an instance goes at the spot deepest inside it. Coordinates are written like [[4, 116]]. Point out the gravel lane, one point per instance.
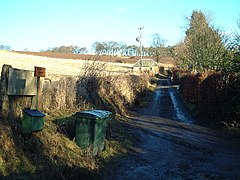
[[173, 147]]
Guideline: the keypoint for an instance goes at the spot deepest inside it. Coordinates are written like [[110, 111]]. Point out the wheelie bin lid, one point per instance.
[[93, 114], [33, 112]]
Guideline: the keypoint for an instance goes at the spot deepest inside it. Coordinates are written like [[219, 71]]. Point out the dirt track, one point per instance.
[[172, 147]]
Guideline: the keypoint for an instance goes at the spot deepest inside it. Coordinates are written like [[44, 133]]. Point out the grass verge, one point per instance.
[[53, 154]]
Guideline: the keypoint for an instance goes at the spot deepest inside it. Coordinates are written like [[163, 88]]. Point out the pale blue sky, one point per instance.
[[39, 24]]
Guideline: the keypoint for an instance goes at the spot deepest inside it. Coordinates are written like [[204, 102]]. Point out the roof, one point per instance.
[[145, 63]]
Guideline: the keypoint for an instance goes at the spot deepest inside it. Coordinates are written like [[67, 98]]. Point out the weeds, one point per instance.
[[52, 152]]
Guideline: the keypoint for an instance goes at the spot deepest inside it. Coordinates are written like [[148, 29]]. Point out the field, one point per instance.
[[131, 60], [56, 65], [103, 58], [71, 64]]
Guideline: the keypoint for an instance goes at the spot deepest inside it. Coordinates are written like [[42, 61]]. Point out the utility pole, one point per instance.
[[140, 42]]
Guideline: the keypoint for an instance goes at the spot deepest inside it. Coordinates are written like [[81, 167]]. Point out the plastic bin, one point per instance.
[[33, 120], [91, 129]]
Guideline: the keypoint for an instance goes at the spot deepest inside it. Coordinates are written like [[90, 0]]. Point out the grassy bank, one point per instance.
[[52, 152]]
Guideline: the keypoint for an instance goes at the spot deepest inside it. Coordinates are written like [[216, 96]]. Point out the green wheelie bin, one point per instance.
[[33, 120], [90, 129]]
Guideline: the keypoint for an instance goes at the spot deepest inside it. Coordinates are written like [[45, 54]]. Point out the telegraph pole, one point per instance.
[[140, 42]]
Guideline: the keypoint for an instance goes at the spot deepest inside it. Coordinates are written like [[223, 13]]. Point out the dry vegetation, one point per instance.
[[52, 153], [46, 154], [213, 96]]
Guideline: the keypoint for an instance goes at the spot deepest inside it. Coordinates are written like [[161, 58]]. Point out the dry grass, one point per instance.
[[62, 64], [57, 66], [114, 93], [46, 154], [51, 154]]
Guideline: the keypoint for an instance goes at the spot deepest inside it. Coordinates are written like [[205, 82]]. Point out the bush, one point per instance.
[[114, 93], [210, 95], [189, 85], [216, 95], [231, 103], [177, 74]]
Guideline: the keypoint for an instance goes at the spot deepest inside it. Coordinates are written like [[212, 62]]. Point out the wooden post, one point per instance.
[[39, 72], [38, 91], [4, 101]]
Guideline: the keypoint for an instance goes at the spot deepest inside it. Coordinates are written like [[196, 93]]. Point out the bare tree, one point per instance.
[[82, 50], [99, 48], [65, 49], [122, 48], [157, 46]]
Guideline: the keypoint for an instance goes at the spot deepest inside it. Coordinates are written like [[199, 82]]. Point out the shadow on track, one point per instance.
[[172, 147]]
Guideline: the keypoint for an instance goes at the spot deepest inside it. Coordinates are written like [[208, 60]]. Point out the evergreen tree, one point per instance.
[[204, 46]]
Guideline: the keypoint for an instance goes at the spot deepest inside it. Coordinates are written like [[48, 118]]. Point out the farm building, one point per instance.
[[147, 65]]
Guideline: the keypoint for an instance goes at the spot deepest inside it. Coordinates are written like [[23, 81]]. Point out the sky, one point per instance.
[[42, 24]]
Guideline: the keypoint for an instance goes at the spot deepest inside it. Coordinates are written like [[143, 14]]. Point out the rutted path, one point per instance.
[[172, 147], [166, 103]]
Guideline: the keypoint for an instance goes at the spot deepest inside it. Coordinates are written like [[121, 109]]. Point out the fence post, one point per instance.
[[4, 101]]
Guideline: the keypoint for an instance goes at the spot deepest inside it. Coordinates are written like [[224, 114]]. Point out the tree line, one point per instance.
[[157, 49], [68, 49], [113, 48]]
